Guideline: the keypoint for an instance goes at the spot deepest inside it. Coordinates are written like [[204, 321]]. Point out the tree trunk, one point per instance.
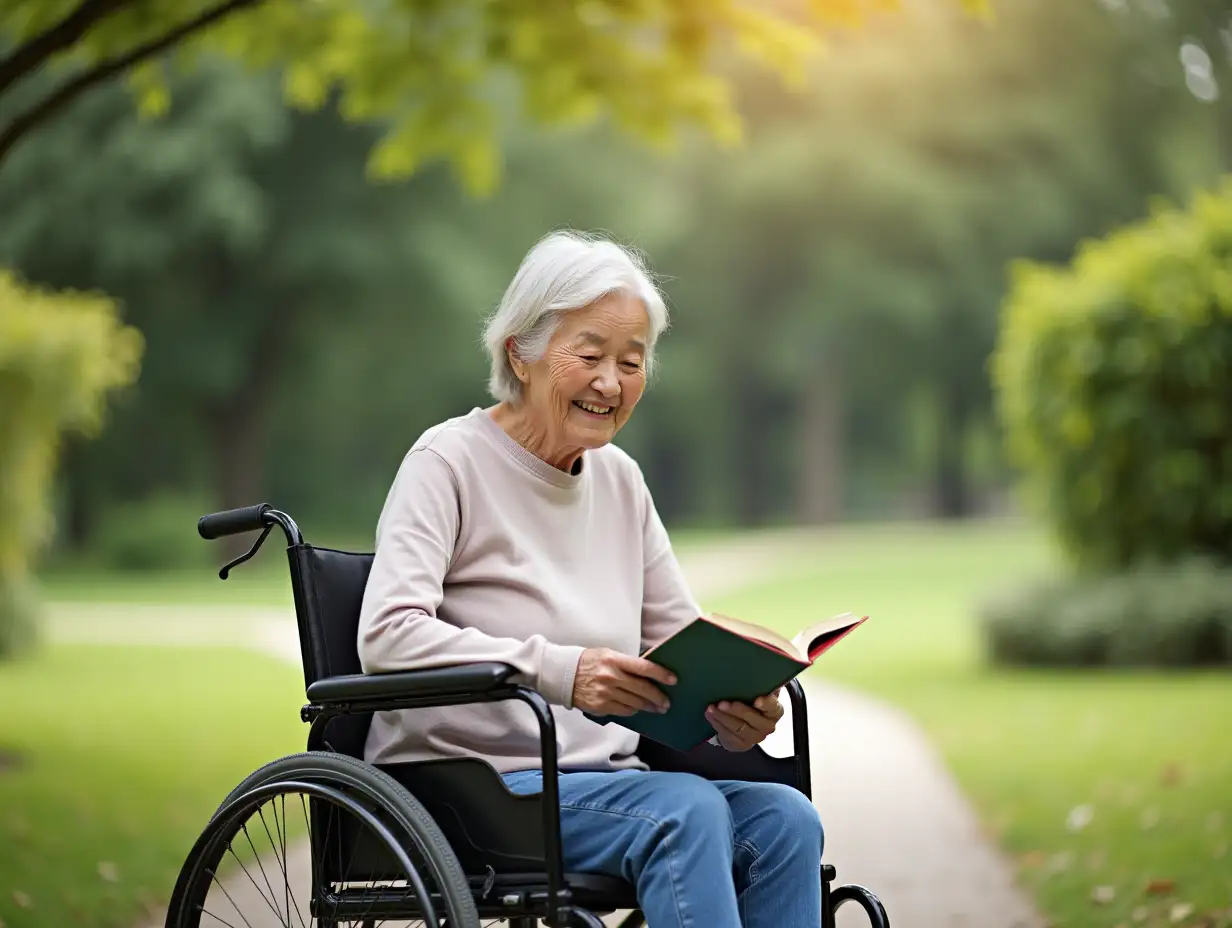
[[820, 486], [951, 482], [756, 412], [667, 473], [239, 457], [237, 424]]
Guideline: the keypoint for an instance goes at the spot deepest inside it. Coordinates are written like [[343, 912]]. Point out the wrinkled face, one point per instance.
[[587, 383]]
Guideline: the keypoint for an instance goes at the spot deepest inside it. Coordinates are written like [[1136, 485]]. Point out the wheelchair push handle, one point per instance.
[[233, 521], [261, 517]]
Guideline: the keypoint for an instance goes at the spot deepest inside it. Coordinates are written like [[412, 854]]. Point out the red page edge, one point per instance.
[[830, 642]]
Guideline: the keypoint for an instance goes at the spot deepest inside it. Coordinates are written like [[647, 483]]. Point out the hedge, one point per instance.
[[61, 353], [1113, 379]]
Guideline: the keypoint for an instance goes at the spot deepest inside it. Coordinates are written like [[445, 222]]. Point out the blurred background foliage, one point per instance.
[[310, 289], [962, 278], [61, 354]]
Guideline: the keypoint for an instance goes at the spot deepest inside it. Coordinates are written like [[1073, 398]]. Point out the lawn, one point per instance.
[[1141, 763], [264, 581], [1146, 758], [113, 764]]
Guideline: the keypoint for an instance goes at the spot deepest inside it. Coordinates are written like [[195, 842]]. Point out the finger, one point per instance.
[[643, 692], [640, 667], [735, 736], [747, 714], [723, 723], [753, 731], [769, 706], [624, 704]]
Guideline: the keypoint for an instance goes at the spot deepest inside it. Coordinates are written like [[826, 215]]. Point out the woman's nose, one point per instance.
[[606, 381]]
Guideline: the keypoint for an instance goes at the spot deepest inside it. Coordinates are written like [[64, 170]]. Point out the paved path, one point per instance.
[[894, 819]]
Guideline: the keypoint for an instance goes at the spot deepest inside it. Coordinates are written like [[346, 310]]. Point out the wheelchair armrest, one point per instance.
[[447, 683]]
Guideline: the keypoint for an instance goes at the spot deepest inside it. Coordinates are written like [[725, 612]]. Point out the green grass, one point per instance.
[[264, 581], [115, 757], [1150, 754], [115, 773]]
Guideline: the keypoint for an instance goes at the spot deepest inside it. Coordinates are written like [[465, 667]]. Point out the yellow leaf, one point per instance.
[[304, 86]]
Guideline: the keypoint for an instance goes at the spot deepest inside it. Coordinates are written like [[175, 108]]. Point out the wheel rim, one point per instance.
[[296, 854]]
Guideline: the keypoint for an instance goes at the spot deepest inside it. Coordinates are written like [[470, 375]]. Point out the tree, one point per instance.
[[60, 355], [1184, 43], [238, 234], [427, 67], [870, 222]]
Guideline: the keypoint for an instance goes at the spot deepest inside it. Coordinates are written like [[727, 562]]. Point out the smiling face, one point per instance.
[[586, 385]]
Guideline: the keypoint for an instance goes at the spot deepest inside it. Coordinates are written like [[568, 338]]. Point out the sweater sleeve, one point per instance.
[[399, 628], [667, 602]]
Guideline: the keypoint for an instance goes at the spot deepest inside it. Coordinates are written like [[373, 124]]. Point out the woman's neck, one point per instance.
[[527, 430]]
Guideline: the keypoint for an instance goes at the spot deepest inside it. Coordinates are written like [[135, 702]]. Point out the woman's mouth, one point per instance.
[[593, 409]]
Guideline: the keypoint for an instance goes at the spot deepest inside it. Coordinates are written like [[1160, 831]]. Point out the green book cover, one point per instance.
[[716, 658]]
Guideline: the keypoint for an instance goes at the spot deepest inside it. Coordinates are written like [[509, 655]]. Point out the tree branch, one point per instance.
[[63, 34], [105, 70]]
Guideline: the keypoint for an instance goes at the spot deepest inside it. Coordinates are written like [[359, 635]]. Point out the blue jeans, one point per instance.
[[702, 854]]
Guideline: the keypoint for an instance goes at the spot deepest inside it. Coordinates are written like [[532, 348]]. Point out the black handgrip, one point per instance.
[[233, 521]]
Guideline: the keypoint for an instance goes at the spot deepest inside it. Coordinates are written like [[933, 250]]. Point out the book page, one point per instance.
[[749, 630], [804, 639]]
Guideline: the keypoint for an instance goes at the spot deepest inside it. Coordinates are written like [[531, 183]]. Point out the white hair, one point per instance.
[[565, 271]]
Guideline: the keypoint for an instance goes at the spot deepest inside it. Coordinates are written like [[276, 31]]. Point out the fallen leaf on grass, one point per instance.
[[1171, 775], [19, 828], [10, 760], [21, 900], [108, 871], [1060, 861], [1079, 817], [1031, 860], [1103, 894], [1150, 818], [1160, 887], [1180, 911], [1140, 914]]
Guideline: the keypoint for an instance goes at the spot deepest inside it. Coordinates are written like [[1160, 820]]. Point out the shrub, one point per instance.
[[60, 354], [156, 533], [1114, 384], [1178, 615]]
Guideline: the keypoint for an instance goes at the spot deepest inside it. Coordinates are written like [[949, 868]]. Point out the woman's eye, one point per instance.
[[631, 366], [592, 358]]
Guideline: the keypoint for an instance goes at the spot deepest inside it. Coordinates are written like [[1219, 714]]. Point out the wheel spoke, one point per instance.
[[260, 866], [382, 861], [254, 883], [213, 876]]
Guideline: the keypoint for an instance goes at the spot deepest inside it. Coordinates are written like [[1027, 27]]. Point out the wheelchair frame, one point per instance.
[[345, 698]]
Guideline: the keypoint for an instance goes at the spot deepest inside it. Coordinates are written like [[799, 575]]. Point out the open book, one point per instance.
[[715, 658], [807, 645]]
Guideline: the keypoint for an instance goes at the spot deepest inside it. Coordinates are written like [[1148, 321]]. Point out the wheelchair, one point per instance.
[[323, 838]]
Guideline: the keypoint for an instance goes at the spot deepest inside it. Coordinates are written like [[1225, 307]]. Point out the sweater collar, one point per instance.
[[531, 462]]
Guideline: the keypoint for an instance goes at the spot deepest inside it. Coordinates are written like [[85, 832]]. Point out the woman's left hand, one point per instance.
[[741, 727]]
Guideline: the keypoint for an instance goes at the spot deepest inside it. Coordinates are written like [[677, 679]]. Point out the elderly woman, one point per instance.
[[519, 533]]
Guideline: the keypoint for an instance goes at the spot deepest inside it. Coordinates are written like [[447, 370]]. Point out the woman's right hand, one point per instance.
[[610, 683]]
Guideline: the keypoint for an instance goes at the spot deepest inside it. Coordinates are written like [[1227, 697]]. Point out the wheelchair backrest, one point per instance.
[[328, 587]]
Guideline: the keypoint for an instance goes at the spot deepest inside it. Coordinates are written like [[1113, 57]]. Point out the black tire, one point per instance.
[[390, 801]]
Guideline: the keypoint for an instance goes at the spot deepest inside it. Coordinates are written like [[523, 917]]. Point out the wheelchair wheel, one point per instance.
[[321, 840]]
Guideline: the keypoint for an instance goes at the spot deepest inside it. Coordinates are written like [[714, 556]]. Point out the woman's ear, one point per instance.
[[519, 368]]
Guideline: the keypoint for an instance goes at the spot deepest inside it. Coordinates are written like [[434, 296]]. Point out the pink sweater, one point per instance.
[[484, 552]]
